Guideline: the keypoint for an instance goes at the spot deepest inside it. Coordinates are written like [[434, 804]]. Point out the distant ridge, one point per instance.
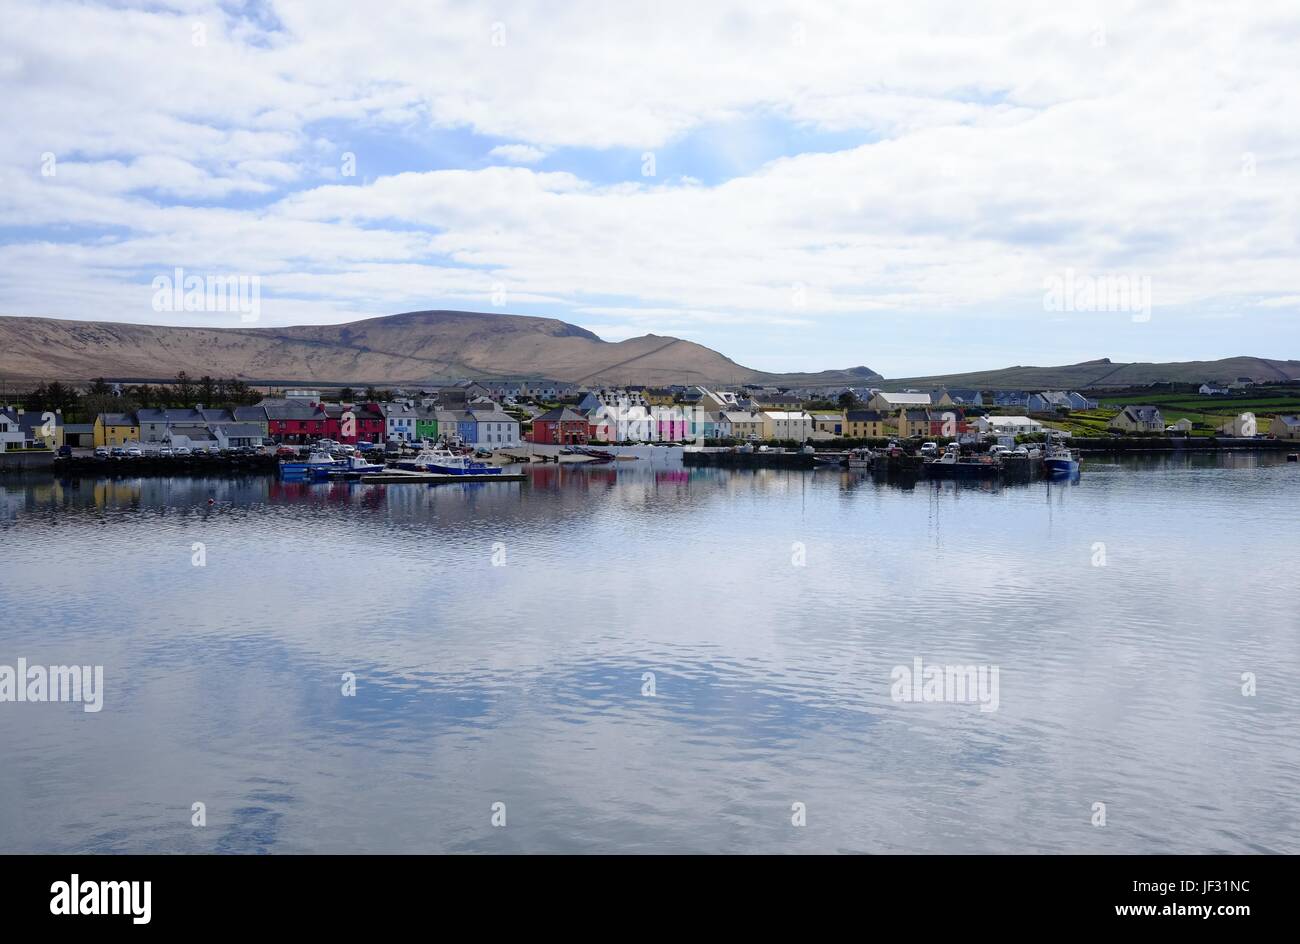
[[426, 347], [1102, 373]]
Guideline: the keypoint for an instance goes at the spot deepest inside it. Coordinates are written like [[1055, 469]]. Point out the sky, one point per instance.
[[914, 187]]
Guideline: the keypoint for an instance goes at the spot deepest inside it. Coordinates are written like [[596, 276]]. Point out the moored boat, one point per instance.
[[953, 465], [319, 464], [1060, 462], [446, 462]]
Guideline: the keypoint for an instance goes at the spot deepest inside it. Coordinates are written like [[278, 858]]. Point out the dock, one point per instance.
[[401, 477]]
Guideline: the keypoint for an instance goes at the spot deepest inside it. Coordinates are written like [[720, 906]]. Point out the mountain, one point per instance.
[[1105, 373], [410, 348], [420, 347]]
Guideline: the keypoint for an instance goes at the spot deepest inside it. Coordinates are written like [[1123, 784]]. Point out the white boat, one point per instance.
[[319, 462], [861, 458], [443, 460]]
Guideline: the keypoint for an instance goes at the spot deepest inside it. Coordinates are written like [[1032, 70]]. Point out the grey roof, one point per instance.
[[562, 414], [864, 416], [241, 430], [31, 420], [493, 416], [118, 419], [289, 409], [250, 414], [1143, 414]]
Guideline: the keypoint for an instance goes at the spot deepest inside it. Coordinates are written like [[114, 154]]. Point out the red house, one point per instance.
[[367, 422], [560, 427], [294, 421]]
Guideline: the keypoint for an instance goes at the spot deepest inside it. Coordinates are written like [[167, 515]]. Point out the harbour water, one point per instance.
[[655, 659]]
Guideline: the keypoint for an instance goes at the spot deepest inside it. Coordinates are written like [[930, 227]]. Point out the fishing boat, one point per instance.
[[861, 458], [1060, 462], [832, 460], [355, 467], [446, 462], [319, 463], [952, 465]]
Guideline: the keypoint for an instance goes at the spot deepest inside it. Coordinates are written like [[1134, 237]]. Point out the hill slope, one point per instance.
[[1103, 373], [414, 347]]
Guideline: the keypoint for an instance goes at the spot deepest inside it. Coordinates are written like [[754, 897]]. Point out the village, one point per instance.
[[490, 416]]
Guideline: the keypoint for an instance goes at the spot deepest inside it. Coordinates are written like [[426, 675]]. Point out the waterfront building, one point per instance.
[[1286, 427], [116, 429], [786, 424], [1138, 419], [560, 426], [867, 424]]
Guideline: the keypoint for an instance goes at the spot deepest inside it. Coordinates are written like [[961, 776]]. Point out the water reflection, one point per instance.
[[522, 680]]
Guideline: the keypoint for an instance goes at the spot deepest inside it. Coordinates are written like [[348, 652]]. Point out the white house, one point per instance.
[[892, 402], [11, 433], [1007, 425], [399, 421], [1243, 425], [1211, 390], [494, 429]]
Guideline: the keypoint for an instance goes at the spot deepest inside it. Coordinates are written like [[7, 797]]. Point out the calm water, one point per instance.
[[523, 684]]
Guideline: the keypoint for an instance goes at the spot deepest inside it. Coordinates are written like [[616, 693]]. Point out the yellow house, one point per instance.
[[830, 423], [116, 429], [866, 424], [658, 397], [913, 423], [745, 425]]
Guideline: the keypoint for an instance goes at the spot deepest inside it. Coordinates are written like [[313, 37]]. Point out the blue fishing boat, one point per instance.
[[1059, 462], [318, 466]]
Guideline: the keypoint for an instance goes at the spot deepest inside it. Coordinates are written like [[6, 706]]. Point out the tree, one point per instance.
[[848, 401], [347, 395], [184, 387]]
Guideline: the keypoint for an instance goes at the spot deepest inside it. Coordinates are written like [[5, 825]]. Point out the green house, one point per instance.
[[426, 423]]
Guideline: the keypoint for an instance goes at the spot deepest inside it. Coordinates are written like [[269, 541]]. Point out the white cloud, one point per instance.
[[517, 153], [1005, 144]]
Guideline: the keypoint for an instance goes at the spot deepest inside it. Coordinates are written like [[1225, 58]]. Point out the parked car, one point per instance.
[[135, 452], [101, 452], [183, 450], [929, 449], [65, 451], [118, 452], [166, 452], [286, 452]]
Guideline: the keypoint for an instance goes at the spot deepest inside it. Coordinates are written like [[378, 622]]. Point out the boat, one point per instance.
[[829, 459], [861, 458], [599, 455], [319, 464], [1060, 462], [952, 465], [446, 462], [354, 467]]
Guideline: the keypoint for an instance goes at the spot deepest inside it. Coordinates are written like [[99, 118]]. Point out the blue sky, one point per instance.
[[800, 187]]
